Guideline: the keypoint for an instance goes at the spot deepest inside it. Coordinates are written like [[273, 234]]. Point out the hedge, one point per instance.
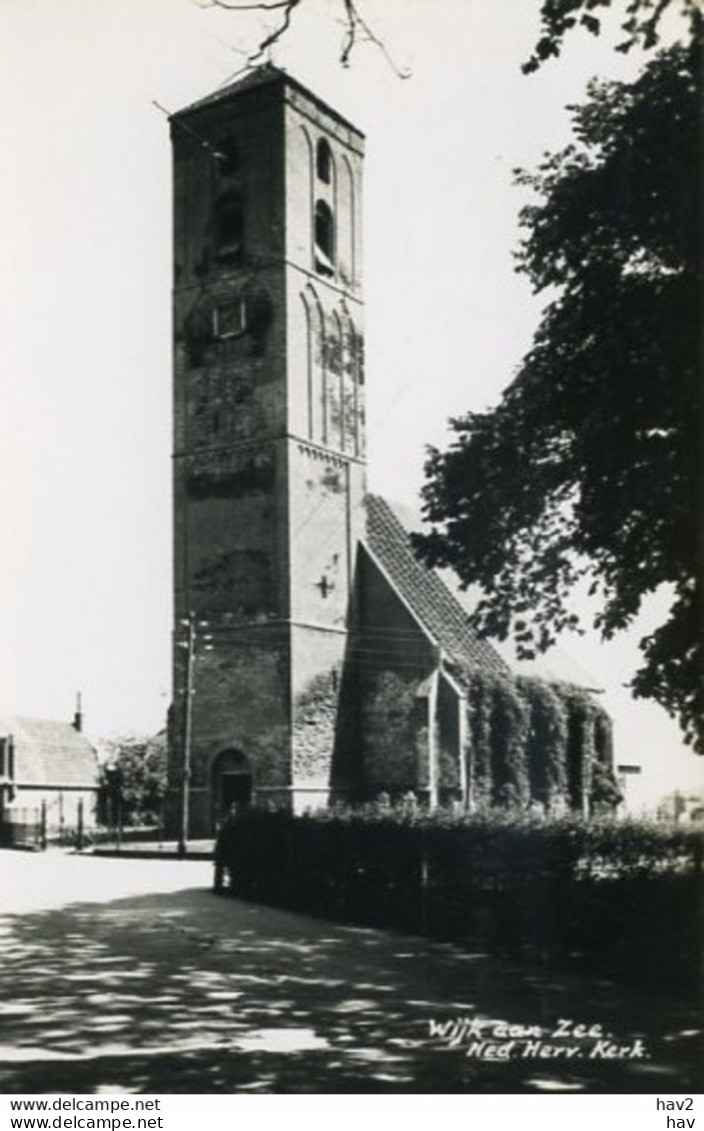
[[622, 896]]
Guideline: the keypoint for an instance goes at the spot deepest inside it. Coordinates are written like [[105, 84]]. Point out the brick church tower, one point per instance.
[[268, 462], [314, 657]]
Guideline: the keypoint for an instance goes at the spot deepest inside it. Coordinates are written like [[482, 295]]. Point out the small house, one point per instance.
[[46, 765]]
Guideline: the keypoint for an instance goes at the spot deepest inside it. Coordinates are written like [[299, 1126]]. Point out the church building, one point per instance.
[[314, 658]]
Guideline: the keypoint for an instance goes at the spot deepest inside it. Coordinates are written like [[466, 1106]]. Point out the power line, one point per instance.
[[187, 130]]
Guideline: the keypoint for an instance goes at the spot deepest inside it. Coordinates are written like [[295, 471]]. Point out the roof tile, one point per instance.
[[425, 592]]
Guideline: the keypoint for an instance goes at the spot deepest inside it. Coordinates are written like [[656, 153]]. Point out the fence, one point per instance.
[[35, 827]]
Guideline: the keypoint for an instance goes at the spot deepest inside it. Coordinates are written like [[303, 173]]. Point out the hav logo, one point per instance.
[[495, 1040]]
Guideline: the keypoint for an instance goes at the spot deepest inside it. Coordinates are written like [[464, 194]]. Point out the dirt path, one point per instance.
[[130, 976]]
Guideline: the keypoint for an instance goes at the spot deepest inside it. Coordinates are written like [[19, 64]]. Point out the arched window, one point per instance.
[[228, 157], [323, 161], [324, 239], [229, 226]]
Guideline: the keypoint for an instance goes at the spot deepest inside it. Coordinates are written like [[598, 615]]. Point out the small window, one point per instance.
[[228, 157], [229, 225], [324, 239], [230, 319], [323, 162]]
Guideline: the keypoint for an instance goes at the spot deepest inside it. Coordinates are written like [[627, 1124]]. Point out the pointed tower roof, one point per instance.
[[253, 79], [260, 76]]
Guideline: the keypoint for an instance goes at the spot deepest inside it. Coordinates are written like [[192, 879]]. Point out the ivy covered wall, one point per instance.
[[527, 743], [539, 743], [394, 733]]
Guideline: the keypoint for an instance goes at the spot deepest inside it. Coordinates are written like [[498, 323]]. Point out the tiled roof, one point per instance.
[[49, 752], [424, 591]]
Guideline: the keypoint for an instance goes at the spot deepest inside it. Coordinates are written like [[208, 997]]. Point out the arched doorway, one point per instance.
[[231, 782]]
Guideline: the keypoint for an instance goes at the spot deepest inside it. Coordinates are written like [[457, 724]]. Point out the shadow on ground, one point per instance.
[[183, 992]]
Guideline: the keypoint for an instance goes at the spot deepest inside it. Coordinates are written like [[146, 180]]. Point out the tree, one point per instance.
[[640, 23], [589, 469], [136, 769]]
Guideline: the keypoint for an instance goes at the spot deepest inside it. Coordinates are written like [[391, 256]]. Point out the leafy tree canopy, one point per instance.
[[136, 770], [640, 22], [589, 469]]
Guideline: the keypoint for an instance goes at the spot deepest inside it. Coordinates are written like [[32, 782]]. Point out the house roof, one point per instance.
[[424, 591], [50, 752]]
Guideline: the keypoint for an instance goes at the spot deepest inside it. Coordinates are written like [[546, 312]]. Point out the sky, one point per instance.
[[85, 228]]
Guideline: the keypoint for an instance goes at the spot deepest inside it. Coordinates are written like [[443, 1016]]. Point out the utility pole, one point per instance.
[[186, 768]]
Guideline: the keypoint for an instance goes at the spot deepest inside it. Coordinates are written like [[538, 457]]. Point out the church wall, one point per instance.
[[305, 123], [449, 744], [325, 521], [326, 366], [317, 663], [395, 735], [241, 695], [230, 344], [391, 638], [253, 176], [324, 309], [229, 362], [394, 659], [233, 535], [326, 495]]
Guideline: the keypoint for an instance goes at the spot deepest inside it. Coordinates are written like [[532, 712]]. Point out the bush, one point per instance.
[[133, 780]]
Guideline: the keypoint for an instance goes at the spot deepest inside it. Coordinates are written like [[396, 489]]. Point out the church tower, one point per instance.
[[268, 462]]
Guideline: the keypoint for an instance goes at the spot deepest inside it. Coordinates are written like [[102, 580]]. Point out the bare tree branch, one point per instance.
[[262, 6], [356, 29], [354, 21], [285, 6], [276, 34]]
